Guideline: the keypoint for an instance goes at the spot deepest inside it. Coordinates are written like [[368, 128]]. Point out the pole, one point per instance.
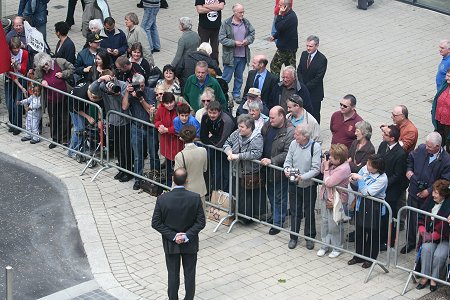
[[9, 283]]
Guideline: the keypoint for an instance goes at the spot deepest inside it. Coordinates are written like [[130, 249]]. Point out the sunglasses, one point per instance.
[[343, 105], [159, 94], [206, 100]]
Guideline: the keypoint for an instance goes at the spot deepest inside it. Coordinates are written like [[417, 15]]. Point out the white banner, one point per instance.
[[34, 37]]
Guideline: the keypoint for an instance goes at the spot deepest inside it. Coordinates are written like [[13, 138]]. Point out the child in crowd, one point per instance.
[[185, 118], [34, 114]]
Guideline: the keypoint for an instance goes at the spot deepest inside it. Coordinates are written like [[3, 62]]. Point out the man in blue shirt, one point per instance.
[[444, 50]]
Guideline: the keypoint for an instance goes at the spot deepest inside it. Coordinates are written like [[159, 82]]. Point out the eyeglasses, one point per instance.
[[159, 94], [206, 100], [395, 115], [343, 105]]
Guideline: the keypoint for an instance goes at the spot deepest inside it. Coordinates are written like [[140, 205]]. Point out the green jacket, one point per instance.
[[192, 92], [434, 105], [226, 38]]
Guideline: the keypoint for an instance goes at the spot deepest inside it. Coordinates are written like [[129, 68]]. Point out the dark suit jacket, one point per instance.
[[302, 91], [269, 84], [395, 169], [179, 211], [312, 77]]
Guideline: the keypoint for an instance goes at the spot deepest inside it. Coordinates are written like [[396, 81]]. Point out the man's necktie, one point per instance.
[[308, 62], [256, 82]]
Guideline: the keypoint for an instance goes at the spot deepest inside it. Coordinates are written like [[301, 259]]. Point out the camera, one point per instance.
[[326, 155], [293, 173], [113, 87], [138, 90], [422, 185]]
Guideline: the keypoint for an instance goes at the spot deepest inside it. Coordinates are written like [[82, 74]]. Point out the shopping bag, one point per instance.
[[223, 202], [338, 208]]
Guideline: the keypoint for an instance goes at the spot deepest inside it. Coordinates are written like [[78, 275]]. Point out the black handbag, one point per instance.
[[155, 74]]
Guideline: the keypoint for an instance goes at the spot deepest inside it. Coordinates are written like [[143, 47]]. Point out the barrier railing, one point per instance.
[[295, 204], [437, 257], [56, 118]]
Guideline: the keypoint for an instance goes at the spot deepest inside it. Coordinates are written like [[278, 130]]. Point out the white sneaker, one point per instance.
[[334, 254], [321, 252]]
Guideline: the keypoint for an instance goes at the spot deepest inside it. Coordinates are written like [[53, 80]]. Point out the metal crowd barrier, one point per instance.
[[253, 204], [410, 263], [51, 121]]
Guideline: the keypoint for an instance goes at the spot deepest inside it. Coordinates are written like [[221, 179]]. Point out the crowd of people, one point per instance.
[[277, 122]]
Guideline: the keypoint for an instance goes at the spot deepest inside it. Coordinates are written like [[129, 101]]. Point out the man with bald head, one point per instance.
[[444, 65], [17, 30], [278, 134], [408, 131]]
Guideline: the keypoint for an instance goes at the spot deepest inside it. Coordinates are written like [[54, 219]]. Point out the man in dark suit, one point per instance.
[[395, 161], [261, 79], [179, 217], [311, 70]]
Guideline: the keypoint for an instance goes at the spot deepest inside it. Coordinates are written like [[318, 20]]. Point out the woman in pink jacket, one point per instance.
[[336, 172]]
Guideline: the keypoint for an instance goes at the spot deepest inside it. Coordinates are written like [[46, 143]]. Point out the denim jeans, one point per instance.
[[238, 70], [149, 25], [277, 192], [140, 136], [76, 140], [12, 94]]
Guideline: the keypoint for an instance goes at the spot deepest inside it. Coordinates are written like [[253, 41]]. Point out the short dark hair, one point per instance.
[[179, 176], [214, 105], [394, 132], [137, 46], [168, 67], [62, 27], [110, 21], [377, 162], [263, 61], [183, 108], [296, 99], [167, 97], [351, 98], [188, 133]]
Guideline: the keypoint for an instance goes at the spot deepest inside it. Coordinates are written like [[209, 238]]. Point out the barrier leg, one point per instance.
[[407, 283], [232, 224], [371, 270], [98, 172]]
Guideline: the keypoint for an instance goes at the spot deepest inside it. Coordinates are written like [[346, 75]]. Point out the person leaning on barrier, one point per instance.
[[195, 160], [113, 92], [55, 73], [371, 181], [138, 101], [243, 145], [395, 161], [301, 165], [434, 234], [428, 163], [336, 172], [277, 134], [215, 127]]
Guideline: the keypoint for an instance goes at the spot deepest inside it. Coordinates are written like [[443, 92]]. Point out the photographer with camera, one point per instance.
[[113, 93], [301, 165], [139, 103], [428, 163]]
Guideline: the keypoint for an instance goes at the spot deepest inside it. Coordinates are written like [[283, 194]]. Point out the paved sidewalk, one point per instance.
[[386, 55]]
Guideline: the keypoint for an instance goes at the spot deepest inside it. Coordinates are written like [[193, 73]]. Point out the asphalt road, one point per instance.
[[39, 237]]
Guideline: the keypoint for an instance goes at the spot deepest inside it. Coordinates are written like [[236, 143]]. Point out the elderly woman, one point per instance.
[[15, 87], [95, 26], [362, 147], [205, 98], [242, 146], [55, 73], [195, 160], [371, 181], [170, 82], [94, 9], [186, 67], [254, 110], [434, 234], [336, 172], [136, 34], [440, 112], [188, 41]]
